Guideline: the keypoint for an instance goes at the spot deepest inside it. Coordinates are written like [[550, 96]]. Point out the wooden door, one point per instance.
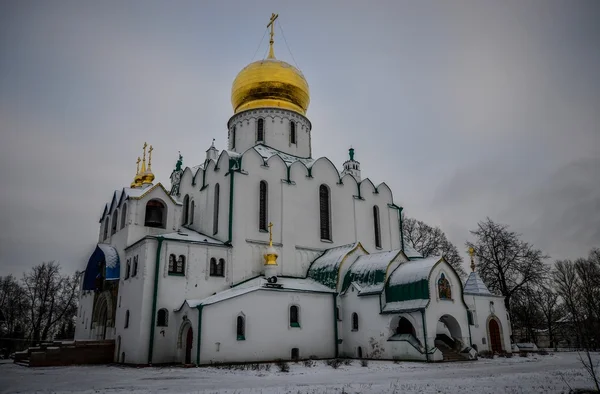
[[495, 340], [188, 346]]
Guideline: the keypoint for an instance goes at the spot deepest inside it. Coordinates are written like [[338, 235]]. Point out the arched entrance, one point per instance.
[[101, 318], [405, 327], [448, 332], [495, 337], [189, 341]]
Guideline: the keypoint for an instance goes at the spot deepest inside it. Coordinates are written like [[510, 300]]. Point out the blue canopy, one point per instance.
[[103, 254]]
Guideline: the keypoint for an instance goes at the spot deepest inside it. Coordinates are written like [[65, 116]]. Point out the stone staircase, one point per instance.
[[67, 353], [449, 353]]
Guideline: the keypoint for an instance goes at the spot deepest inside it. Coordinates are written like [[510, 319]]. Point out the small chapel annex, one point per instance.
[[262, 252]]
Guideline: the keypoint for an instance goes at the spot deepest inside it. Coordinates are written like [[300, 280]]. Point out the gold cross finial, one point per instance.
[[472, 253], [137, 168], [150, 157], [270, 234], [271, 42]]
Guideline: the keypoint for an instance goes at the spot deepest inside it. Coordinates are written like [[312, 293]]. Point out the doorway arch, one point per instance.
[[189, 343], [494, 329], [449, 332]]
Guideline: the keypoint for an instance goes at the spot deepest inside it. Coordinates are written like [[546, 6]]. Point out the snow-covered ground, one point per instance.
[[534, 374]]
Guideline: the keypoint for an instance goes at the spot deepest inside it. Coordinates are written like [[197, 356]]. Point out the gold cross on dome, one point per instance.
[[270, 234], [137, 170], [272, 26], [150, 157]]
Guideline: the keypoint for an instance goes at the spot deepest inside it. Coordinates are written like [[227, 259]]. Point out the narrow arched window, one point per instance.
[[113, 223], [162, 318], [324, 212], [354, 321], [294, 316], [233, 137], [192, 209], [241, 328], [105, 228], [262, 207], [172, 263], [295, 354], [221, 267], [376, 226], [213, 266], [156, 214], [180, 267], [216, 210], [126, 319], [135, 265], [186, 208], [292, 132], [260, 130], [128, 269], [124, 216]]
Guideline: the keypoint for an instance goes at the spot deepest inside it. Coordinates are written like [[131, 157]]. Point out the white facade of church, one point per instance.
[[182, 275]]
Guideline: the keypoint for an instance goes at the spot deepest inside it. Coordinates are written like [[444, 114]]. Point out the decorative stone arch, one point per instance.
[[181, 336], [102, 316], [453, 326], [489, 334], [396, 320]]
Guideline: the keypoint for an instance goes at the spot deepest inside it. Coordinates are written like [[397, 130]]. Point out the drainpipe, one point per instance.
[[401, 229], [425, 334], [199, 334], [335, 325], [230, 235], [154, 297]]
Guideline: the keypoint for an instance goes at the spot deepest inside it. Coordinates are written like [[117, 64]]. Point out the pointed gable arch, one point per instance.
[[251, 159], [350, 180], [384, 191], [276, 163], [366, 186], [223, 160], [325, 171]]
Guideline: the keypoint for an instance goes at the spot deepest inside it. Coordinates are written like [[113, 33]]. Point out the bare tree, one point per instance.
[[506, 263], [551, 309], [13, 307], [431, 241], [51, 298]]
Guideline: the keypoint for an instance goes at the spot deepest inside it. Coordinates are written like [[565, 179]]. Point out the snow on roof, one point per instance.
[[413, 271], [186, 234], [325, 268], [111, 255], [405, 306], [411, 252], [369, 271], [474, 285], [287, 284], [266, 152]]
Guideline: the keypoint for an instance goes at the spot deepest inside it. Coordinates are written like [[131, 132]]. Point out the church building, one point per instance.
[[261, 252]]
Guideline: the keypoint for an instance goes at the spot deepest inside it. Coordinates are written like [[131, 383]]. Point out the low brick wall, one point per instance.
[[69, 353]]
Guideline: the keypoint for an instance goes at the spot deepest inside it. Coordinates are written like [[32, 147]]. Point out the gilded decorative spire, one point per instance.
[[144, 159], [472, 253], [271, 41], [271, 255], [136, 179], [150, 158]]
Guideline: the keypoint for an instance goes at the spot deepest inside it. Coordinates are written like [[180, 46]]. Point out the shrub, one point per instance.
[[347, 361], [334, 363], [543, 353], [283, 366], [486, 354], [396, 360], [523, 354], [308, 363], [364, 363], [268, 367]]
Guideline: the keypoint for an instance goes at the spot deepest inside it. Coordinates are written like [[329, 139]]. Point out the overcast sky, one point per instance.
[[466, 109]]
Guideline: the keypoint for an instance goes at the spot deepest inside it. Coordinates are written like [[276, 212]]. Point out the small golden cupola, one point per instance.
[[271, 259], [270, 83]]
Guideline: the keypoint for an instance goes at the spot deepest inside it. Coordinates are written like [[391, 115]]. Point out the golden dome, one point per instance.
[[270, 83]]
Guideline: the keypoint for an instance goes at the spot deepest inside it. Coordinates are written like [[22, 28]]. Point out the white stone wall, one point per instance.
[[374, 329], [483, 311], [268, 333], [276, 131], [455, 307]]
